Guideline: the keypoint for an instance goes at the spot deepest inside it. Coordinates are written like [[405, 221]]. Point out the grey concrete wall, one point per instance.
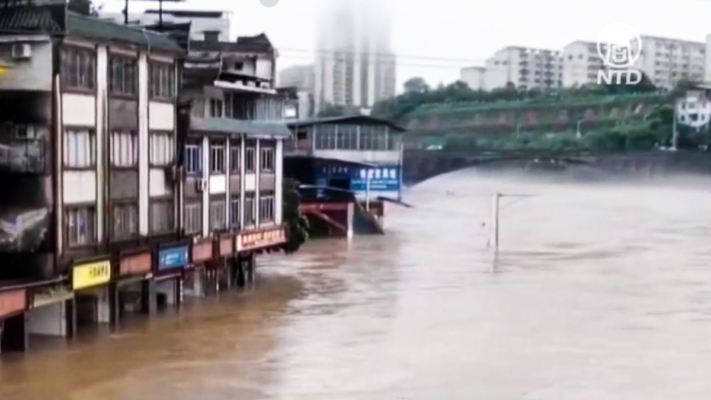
[[34, 73]]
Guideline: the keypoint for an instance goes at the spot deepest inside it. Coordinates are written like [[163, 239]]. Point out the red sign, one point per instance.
[[12, 302], [202, 251], [135, 264], [256, 240]]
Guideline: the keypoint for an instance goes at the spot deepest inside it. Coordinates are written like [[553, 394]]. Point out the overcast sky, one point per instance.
[[464, 32]]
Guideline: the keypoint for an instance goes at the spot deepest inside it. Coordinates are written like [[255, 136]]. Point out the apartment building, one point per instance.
[[664, 61], [667, 61], [581, 63], [526, 68], [473, 77], [355, 66], [116, 197]]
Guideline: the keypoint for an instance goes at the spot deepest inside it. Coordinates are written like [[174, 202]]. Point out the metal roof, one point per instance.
[[28, 19], [276, 129], [95, 29], [366, 119]]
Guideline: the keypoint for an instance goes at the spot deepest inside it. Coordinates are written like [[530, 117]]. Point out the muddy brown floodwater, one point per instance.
[[599, 291]]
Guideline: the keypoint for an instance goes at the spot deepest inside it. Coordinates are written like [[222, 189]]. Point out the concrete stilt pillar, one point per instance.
[[148, 297], [14, 334], [251, 269], [349, 220], [114, 304], [70, 313], [178, 292]]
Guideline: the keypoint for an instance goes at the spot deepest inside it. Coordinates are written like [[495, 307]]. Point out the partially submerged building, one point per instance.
[[358, 156], [113, 200]]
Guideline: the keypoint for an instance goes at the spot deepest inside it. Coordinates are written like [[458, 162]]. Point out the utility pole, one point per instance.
[[495, 216], [494, 239]]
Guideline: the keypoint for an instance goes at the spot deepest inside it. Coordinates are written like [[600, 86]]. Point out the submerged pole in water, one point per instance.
[[351, 213], [494, 240]]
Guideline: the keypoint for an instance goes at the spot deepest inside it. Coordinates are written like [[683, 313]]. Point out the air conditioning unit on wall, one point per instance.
[[21, 50]]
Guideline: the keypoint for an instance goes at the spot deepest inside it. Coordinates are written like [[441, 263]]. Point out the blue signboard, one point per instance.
[[173, 258], [382, 179]]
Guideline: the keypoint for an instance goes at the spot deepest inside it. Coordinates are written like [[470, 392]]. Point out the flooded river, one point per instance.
[[599, 291]]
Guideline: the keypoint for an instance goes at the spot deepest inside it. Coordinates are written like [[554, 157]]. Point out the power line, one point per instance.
[[393, 63], [349, 52]]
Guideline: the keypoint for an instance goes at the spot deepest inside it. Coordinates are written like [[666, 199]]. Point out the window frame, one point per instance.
[[151, 161], [267, 197], [250, 154], [159, 201], [198, 148], [129, 235], [267, 153], [222, 203], [65, 79], [65, 148], [235, 158], [218, 167], [134, 139], [67, 227], [157, 87], [122, 61], [189, 205], [250, 197], [235, 214]]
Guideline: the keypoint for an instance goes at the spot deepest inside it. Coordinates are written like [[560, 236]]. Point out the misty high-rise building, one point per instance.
[[355, 66]]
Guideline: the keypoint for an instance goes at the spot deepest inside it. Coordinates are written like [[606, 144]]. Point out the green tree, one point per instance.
[[416, 85], [297, 224], [334, 110]]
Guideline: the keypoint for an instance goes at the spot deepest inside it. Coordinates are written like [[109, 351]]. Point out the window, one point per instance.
[[234, 213], [235, 158], [347, 137], [249, 209], [217, 215], [80, 225], [79, 150], [217, 158], [238, 65], [77, 69], [161, 216], [162, 148], [249, 161], [162, 84], [216, 108], [125, 221], [193, 159], [325, 137], [124, 149], [193, 218], [267, 159], [212, 36], [122, 76], [266, 207]]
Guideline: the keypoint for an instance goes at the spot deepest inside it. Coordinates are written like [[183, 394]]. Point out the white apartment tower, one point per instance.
[[355, 66], [526, 68], [664, 61]]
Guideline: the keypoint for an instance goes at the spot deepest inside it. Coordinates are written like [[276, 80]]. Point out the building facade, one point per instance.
[[664, 61], [355, 66], [526, 68], [301, 79], [473, 77], [125, 187]]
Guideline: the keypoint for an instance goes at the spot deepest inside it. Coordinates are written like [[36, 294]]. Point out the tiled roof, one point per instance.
[[244, 44], [28, 19], [95, 29]]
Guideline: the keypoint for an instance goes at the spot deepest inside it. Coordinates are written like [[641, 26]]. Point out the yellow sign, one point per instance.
[[93, 274]]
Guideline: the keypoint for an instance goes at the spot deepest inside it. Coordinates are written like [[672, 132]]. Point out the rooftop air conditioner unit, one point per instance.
[[21, 50]]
